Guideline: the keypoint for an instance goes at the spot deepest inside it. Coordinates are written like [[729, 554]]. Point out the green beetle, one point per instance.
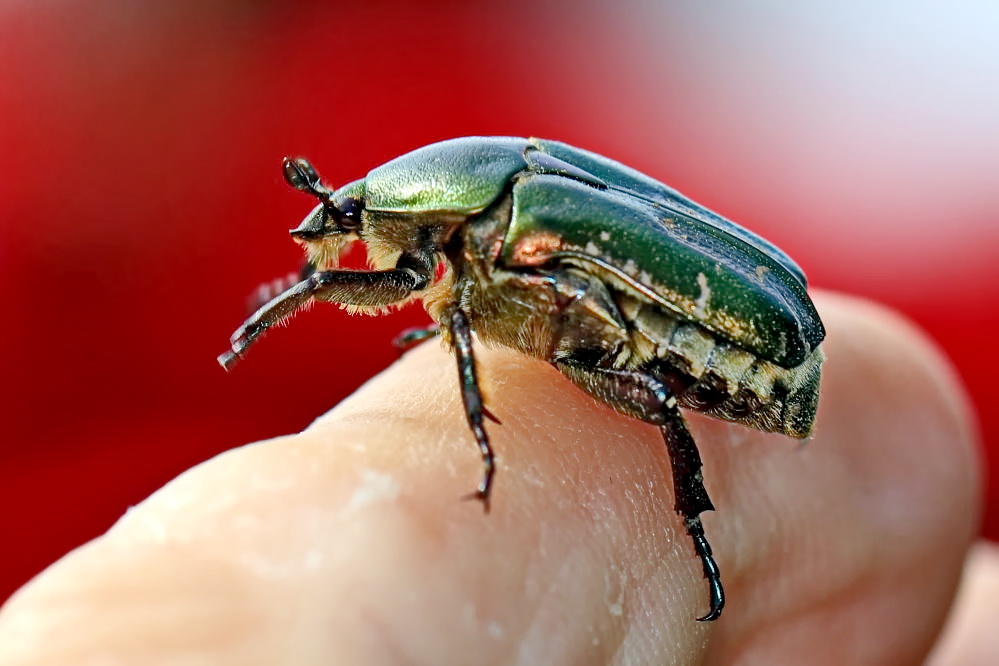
[[644, 299]]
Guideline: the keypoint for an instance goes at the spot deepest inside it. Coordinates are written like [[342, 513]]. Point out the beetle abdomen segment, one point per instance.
[[690, 347], [768, 397], [721, 379]]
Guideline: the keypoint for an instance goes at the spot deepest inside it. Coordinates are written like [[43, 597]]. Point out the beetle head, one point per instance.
[[332, 224]]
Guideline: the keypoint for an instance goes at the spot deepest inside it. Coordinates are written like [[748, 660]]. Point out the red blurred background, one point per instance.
[[141, 199]]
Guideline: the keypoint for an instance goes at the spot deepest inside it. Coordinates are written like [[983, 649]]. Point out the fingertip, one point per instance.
[[883, 368]]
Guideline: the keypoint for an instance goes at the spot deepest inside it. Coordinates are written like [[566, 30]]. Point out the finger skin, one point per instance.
[[348, 543], [970, 635]]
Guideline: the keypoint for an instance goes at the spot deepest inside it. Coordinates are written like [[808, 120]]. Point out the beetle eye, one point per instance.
[[349, 213]]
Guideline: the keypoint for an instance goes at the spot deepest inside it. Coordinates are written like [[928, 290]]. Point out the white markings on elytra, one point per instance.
[[701, 304], [605, 236]]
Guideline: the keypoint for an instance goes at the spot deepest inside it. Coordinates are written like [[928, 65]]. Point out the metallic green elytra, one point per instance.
[[641, 297]]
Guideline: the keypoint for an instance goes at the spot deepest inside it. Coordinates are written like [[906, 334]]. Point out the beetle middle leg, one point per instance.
[[643, 396], [471, 397], [414, 336], [364, 288]]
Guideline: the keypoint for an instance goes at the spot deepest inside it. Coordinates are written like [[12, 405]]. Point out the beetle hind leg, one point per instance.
[[692, 500], [643, 396]]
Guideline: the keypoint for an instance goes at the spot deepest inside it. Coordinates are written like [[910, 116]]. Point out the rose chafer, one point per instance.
[[643, 298]]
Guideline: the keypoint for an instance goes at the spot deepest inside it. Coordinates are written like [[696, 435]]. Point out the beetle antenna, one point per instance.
[[300, 174]]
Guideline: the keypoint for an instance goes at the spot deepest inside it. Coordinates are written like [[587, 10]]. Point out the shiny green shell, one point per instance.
[[577, 207]]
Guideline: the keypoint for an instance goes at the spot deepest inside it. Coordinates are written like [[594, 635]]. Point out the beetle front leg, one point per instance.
[[643, 396], [471, 397], [365, 288], [268, 291]]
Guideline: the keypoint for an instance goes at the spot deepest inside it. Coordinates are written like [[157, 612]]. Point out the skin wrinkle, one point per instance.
[[538, 638], [550, 591], [651, 500], [624, 512]]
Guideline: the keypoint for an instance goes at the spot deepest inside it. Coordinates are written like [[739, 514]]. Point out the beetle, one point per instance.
[[642, 298]]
